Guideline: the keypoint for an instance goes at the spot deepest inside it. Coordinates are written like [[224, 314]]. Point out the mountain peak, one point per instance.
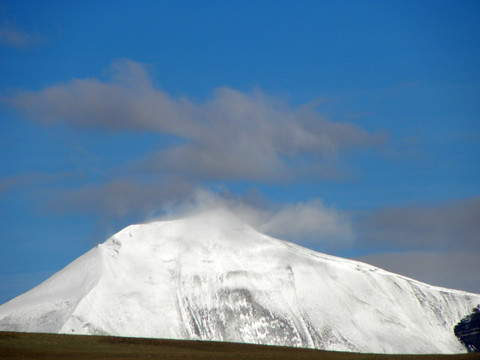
[[213, 227]]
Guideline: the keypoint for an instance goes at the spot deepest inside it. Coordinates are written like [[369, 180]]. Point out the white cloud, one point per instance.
[[232, 136]]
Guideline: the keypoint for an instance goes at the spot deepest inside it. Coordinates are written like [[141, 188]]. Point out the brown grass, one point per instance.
[[51, 346]]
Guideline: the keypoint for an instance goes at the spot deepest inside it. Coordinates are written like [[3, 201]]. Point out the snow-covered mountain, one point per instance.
[[212, 277]]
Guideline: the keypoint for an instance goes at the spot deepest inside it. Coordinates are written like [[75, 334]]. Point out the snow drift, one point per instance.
[[211, 277]]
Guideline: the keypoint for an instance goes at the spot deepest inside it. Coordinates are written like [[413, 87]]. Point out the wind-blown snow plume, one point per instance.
[[303, 222]]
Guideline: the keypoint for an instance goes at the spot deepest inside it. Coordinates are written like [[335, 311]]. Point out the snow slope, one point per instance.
[[212, 277]]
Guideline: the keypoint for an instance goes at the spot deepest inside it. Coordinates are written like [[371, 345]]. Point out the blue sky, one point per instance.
[[357, 120]]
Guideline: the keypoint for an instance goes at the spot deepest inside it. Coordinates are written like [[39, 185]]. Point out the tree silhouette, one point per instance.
[[468, 330]]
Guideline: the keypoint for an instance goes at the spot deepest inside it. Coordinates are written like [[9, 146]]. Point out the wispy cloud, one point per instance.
[[232, 136], [28, 179], [447, 226], [15, 37], [118, 198]]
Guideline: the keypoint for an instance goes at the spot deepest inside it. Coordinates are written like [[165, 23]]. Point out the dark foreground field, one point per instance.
[[50, 346]]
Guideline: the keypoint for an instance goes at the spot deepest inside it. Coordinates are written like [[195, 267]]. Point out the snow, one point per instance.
[[211, 277]]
